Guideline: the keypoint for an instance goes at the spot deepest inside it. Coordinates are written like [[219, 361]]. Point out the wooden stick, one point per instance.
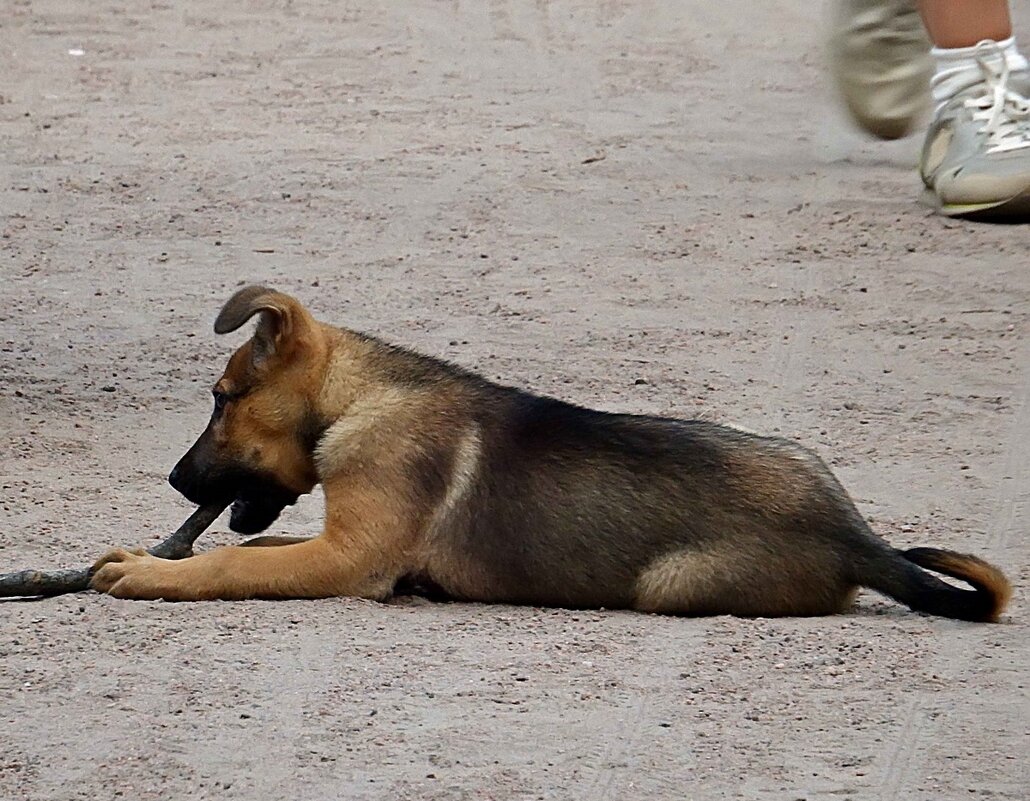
[[30, 583]]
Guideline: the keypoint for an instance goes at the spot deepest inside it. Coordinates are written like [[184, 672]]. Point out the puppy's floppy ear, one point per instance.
[[281, 317]]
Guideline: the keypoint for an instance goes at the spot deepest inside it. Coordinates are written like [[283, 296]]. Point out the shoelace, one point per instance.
[[1005, 112]]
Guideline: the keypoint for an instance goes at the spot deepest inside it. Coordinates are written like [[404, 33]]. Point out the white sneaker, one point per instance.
[[880, 60], [976, 159]]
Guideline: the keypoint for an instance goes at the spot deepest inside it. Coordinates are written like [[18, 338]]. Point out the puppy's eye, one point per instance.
[[220, 400]]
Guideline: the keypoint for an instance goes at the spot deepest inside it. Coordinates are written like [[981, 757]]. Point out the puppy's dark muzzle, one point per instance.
[[199, 488], [257, 498], [175, 478]]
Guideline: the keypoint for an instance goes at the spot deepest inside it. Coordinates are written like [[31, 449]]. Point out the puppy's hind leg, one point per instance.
[[743, 581]]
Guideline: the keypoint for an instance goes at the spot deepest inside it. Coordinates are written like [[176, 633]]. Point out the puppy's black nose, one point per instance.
[[175, 477]]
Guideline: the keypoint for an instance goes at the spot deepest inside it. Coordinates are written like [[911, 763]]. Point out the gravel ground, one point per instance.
[[648, 207]]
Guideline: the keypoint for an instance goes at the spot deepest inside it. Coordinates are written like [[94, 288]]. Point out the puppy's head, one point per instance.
[[257, 448]]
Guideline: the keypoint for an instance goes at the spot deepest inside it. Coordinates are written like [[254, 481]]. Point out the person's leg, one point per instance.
[[964, 23], [880, 62], [976, 158]]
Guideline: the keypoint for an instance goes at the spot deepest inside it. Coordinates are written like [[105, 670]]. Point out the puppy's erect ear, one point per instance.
[[282, 317]]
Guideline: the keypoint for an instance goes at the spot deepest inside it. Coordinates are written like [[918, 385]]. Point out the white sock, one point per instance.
[[958, 69]]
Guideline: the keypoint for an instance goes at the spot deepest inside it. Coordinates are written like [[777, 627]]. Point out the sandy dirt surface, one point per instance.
[[649, 207]]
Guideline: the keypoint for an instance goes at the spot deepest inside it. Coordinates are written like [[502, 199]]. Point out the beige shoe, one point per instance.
[[976, 159], [880, 60]]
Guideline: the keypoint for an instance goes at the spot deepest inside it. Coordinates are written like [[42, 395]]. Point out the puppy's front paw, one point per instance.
[[132, 574]]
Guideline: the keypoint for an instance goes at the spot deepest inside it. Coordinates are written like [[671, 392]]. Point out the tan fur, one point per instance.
[[374, 421]]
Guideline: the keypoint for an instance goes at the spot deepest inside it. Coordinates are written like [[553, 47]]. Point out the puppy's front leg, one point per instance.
[[315, 568]]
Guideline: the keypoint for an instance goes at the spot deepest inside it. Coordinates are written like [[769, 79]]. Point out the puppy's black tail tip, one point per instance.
[[991, 590]]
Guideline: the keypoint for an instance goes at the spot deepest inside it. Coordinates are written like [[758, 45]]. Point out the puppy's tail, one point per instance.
[[901, 575]]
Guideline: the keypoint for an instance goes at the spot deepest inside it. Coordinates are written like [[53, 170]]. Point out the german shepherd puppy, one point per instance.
[[438, 478]]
